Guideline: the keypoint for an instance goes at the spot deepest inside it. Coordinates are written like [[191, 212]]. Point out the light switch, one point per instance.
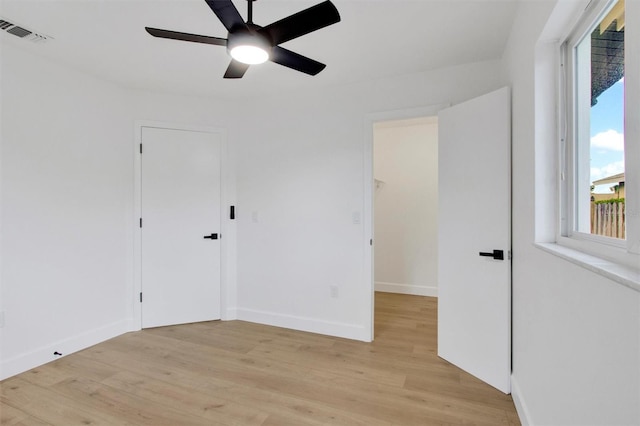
[[356, 218], [334, 291]]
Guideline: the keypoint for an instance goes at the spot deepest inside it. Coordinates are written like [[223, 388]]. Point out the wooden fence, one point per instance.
[[608, 219]]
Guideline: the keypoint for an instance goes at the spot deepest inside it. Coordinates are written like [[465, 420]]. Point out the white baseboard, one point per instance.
[[43, 355], [416, 290], [134, 324], [230, 315], [518, 401], [312, 325]]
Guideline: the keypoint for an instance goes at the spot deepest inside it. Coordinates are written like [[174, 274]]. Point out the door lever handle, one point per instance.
[[497, 254], [212, 236]]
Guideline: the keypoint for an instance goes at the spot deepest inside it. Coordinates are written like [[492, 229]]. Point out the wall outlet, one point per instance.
[[334, 291]]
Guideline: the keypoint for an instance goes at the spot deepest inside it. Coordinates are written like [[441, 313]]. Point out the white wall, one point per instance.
[[406, 205], [301, 171], [576, 335], [66, 186], [67, 205]]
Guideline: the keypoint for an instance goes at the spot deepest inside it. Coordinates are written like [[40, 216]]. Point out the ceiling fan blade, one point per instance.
[[175, 35], [227, 13], [292, 60], [301, 23], [236, 69]]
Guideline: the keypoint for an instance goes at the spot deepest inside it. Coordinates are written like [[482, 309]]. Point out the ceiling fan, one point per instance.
[[249, 44]]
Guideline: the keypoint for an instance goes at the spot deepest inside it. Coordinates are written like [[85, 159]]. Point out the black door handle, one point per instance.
[[497, 254], [212, 236]]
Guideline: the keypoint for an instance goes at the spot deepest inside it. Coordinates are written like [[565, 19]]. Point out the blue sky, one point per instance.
[[607, 134]]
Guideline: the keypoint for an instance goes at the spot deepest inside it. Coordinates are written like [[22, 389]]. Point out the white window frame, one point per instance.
[[622, 252]]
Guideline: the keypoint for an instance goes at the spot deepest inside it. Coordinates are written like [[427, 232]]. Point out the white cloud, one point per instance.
[[611, 140], [607, 170]]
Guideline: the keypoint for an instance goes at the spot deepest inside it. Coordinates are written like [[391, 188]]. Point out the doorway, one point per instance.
[[474, 260], [369, 191], [405, 194]]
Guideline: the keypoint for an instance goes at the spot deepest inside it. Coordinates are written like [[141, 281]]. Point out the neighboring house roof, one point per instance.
[[611, 179]]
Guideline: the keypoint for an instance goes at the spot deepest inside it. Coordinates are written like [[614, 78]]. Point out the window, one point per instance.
[[595, 200]]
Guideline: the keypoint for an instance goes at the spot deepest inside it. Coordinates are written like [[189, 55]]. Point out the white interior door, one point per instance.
[[180, 205], [474, 215]]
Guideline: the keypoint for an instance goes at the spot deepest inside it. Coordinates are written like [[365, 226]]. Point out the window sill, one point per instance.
[[625, 275]]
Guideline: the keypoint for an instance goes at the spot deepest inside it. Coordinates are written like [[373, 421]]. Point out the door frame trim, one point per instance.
[[367, 216], [227, 254]]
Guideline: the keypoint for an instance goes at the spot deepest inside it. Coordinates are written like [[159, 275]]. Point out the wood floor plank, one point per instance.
[[184, 399], [47, 405], [12, 416], [239, 373], [106, 400], [335, 362], [66, 368], [296, 407]]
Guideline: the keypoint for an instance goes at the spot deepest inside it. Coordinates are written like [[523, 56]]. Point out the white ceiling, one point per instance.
[[375, 38]]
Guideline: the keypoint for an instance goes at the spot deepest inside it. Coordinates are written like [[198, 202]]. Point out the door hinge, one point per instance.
[[140, 148], [371, 242], [140, 297], [140, 222]]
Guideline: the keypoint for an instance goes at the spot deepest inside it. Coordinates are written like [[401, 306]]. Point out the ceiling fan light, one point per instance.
[[248, 48], [249, 54]]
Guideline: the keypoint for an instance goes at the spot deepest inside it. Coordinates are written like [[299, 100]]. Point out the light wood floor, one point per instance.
[[238, 373]]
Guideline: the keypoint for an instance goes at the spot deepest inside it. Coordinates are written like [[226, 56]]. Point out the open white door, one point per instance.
[[180, 245], [474, 223]]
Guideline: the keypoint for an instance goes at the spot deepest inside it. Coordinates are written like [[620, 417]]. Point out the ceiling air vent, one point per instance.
[[22, 32]]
